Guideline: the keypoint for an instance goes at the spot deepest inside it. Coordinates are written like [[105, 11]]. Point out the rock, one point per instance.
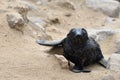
[[23, 11], [22, 3], [11, 0], [114, 62], [43, 2], [23, 8], [62, 61], [66, 4], [40, 24], [27, 5], [103, 34], [117, 47], [108, 7], [108, 77], [93, 36], [109, 20], [38, 2], [15, 20]]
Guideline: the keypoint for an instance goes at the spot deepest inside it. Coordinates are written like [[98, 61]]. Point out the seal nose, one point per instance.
[[78, 36]]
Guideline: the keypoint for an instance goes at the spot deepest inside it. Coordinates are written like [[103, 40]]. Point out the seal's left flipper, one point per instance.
[[51, 43], [78, 69], [104, 63]]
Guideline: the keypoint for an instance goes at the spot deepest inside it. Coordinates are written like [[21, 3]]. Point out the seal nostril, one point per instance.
[[78, 36]]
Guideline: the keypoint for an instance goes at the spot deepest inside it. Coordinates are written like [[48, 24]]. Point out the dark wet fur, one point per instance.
[[87, 54], [80, 49]]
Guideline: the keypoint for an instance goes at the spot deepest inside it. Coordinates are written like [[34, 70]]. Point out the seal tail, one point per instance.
[[52, 43]]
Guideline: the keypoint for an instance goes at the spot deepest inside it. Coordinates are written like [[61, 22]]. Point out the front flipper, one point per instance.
[[52, 43], [104, 63], [78, 69]]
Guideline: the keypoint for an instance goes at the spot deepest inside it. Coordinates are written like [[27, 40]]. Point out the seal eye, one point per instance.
[[72, 33], [72, 30]]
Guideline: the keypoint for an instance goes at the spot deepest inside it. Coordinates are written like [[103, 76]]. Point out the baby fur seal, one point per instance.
[[79, 49]]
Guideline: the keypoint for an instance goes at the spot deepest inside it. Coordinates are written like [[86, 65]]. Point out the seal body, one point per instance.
[[79, 49], [84, 54]]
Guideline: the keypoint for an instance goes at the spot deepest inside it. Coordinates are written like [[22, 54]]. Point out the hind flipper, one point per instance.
[[78, 69], [104, 63], [51, 43]]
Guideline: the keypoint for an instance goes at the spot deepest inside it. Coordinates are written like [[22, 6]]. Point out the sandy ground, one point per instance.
[[22, 59]]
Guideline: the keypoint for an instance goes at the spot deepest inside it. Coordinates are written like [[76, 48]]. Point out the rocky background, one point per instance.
[[22, 22]]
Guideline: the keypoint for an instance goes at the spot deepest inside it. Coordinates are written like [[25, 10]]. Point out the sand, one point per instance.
[[22, 59]]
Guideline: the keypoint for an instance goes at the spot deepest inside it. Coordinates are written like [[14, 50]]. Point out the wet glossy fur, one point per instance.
[[79, 49]]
